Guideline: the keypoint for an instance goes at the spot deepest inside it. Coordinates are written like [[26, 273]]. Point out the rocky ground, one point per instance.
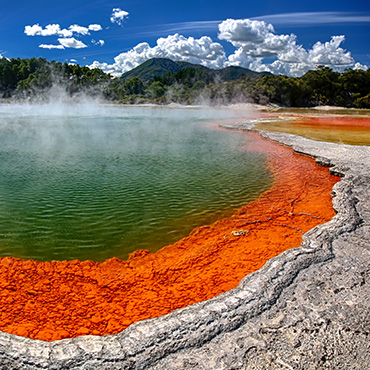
[[308, 308]]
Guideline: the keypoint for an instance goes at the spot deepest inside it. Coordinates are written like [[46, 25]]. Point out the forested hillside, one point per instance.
[[317, 87], [29, 79], [157, 67]]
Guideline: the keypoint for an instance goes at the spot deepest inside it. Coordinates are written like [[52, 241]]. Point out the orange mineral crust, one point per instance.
[[332, 121], [64, 299], [351, 130]]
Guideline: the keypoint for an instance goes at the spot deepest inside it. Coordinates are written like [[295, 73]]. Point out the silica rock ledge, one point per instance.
[[307, 308]]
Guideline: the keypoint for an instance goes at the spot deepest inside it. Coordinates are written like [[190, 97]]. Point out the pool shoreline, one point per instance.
[[104, 298], [224, 329]]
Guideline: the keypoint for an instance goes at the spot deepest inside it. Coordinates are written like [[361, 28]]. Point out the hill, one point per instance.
[[164, 81], [156, 67]]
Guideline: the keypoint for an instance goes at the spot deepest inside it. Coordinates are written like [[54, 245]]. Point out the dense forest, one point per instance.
[[35, 78]]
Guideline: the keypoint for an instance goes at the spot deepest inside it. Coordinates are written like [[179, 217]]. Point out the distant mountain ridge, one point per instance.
[[160, 66]]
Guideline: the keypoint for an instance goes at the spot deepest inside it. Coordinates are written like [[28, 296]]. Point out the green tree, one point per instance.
[[324, 85], [156, 90], [133, 86]]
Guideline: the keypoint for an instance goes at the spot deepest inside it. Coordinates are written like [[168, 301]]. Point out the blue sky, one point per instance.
[[280, 37]]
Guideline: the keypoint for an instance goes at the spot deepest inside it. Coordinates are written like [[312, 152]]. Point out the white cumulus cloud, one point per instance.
[[330, 53], [360, 66], [99, 42], [51, 46], [71, 42], [33, 30], [49, 30], [95, 27], [75, 28], [66, 39], [257, 47], [56, 30], [176, 47], [118, 16], [256, 40]]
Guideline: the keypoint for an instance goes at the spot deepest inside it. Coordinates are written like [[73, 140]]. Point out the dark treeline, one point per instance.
[[34, 78], [30, 78]]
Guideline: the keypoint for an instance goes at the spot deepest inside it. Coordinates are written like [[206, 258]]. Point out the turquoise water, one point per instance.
[[98, 182]]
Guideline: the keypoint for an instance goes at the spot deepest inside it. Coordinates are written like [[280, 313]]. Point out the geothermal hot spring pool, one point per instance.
[[94, 182]]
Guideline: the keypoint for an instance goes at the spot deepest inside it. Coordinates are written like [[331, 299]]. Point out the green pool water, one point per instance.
[[94, 182]]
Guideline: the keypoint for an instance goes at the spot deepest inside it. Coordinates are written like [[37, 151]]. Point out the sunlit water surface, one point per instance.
[[101, 182]]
